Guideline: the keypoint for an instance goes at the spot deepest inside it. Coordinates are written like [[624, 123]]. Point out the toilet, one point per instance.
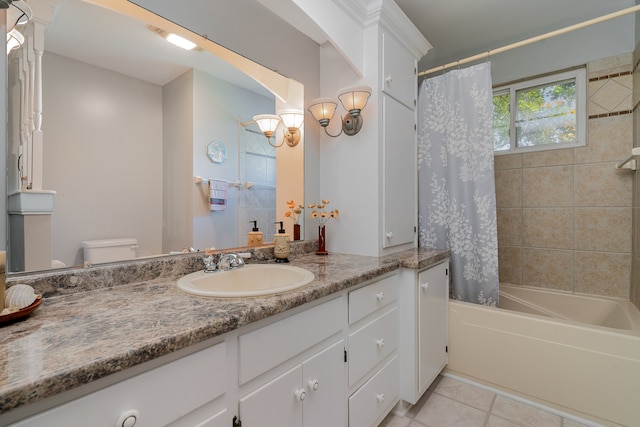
[[109, 250]]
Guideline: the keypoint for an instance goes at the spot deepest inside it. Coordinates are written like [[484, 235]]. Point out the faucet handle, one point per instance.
[[209, 263]]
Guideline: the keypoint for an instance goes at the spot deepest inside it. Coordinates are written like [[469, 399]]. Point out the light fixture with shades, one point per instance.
[[291, 119], [353, 99], [14, 40], [18, 14]]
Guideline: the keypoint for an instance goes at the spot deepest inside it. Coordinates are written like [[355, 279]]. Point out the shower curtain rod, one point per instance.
[[531, 40]]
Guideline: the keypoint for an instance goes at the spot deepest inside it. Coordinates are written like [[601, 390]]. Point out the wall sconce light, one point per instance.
[[291, 119], [14, 40], [353, 99]]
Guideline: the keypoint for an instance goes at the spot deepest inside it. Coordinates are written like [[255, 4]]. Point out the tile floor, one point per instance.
[[450, 402]]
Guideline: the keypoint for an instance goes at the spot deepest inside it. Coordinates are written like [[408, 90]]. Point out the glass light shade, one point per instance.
[[292, 118], [323, 109], [355, 98], [14, 40], [267, 123]]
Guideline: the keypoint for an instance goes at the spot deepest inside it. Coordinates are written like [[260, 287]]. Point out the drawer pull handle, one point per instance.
[[128, 418], [380, 397], [314, 385], [425, 285], [301, 394], [380, 296], [388, 79], [380, 343]]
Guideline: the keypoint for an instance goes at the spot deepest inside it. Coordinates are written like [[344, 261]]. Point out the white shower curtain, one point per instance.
[[456, 187]]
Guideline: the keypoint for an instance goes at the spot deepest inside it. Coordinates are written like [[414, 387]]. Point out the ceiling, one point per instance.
[[460, 28], [455, 28]]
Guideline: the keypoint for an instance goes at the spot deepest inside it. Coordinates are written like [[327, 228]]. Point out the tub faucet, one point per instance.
[[229, 261]]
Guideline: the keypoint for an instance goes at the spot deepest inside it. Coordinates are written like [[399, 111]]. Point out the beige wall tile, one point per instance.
[[635, 235], [510, 264], [610, 65], [600, 184], [508, 188], [603, 273], [634, 296], [613, 96], [509, 226], [603, 229], [507, 161], [547, 268], [548, 158], [610, 139], [547, 186], [548, 228]]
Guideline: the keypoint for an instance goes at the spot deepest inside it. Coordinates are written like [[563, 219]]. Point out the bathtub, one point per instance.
[[578, 354]]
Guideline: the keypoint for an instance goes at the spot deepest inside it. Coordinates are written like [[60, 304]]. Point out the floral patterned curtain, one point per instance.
[[456, 187]]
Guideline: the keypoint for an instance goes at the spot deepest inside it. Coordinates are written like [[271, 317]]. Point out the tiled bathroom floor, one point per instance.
[[450, 402]]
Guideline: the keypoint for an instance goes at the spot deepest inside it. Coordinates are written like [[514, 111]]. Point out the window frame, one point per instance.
[[580, 76]]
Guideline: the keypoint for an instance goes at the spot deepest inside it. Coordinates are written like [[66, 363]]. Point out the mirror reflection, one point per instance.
[[145, 147]]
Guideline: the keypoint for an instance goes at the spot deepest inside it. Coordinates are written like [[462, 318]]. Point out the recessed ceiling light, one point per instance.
[[180, 41]]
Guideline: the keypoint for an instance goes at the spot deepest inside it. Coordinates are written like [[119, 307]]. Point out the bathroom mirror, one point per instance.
[[128, 121]]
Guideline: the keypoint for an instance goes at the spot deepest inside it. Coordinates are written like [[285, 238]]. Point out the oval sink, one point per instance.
[[247, 281]]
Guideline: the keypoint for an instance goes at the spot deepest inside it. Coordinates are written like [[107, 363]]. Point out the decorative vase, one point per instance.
[[322, 250], [296, 231]]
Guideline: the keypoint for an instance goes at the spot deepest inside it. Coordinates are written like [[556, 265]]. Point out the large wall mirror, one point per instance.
[[136, 132]]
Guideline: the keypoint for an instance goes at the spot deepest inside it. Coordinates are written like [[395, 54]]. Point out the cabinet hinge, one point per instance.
[[446, 271], [236, 422], [415, 71], [345, 355], [415, 127], [415, 103], [415, 229], [446, 349]]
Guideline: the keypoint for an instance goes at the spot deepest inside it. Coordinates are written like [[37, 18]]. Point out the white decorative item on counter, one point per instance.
[[20, 296]]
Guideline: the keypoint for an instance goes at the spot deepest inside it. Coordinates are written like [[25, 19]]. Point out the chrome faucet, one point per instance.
[[210, 265], [229, 261]]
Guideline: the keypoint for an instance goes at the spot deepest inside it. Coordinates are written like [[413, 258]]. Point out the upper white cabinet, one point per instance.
[[398, 71]]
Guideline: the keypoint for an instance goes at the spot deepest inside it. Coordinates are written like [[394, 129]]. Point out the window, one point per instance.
[[540, 114]]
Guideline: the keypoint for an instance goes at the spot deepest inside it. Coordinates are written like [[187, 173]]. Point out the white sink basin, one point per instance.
[[250, 280]]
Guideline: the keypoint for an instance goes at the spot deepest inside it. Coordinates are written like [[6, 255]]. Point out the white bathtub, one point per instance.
[[578, 354]]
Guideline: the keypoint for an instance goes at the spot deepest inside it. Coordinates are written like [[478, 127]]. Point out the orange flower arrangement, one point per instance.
[[319, 212], [294, 211]]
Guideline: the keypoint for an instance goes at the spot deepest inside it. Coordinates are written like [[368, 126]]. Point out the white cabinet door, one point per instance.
[[433, 297], [399, 191], [278, 403], [398, 71], [324, 379], [301, 396]]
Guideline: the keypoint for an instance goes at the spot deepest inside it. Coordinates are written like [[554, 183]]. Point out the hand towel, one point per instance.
[[217, 195]]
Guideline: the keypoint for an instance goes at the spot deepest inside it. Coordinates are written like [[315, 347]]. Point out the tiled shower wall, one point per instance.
[[565, 216]]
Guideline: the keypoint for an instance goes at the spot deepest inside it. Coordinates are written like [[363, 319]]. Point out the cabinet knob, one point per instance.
[[300, 394], [388, 79], [425, 285], [380, 343], [128, 418], [314, 385], [390, 235], [380, 296], [380, 397]]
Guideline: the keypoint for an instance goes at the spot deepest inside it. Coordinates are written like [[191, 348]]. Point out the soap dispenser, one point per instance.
[[281, 246], [255, 236]]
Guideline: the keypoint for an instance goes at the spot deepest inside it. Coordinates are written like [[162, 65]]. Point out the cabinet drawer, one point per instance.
[[368, 299], [267, 347], [160, 395], [370, 344], [376, 397]]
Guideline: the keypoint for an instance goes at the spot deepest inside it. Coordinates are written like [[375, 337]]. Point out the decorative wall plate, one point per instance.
[[217, 152]]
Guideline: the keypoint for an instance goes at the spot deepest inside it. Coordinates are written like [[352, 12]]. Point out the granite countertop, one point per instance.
[[75, 338]]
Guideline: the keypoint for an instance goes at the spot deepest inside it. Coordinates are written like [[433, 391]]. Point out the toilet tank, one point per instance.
[[109, 250]]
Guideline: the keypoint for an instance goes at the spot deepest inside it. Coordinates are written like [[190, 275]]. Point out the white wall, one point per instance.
[[82, 149]]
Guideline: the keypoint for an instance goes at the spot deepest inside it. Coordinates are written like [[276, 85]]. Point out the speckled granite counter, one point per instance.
[[75, 338]]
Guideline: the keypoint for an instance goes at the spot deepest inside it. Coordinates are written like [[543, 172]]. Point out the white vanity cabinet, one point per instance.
[[311, 390], [310, 394], [185, 392], [398, 104], [373, 351], [424, 303]]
